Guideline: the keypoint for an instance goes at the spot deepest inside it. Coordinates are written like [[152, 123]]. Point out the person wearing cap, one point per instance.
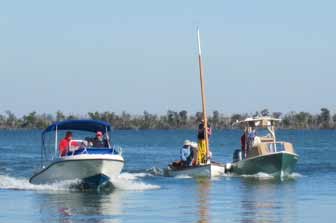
[[99, 141], [186, 153], [65, 144]]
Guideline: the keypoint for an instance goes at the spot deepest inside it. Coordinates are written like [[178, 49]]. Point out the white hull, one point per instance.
[[96, 168], [208, 170]]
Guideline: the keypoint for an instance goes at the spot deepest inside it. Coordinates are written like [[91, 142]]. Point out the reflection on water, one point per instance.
[[203, 188], [83, 207], [267, 201]]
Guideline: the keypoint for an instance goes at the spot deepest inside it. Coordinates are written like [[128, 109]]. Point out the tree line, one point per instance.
[[171, 120]]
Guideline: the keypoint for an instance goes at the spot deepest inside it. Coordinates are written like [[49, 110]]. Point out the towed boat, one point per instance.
[[205, 168], [263, 154], [93, 166]]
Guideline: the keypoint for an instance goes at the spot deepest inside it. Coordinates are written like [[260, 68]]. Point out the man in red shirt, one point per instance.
[[65, 143]]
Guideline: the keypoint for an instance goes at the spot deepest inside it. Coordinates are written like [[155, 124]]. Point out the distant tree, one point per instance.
[[334, 120], [150, 121], [276, 114], [71, 117], [265, 112], [215, 119], [288, 120], [29, 121], [236, 117], [302, 120], [256, 114], [199, 116], [11, 120], [2, 121], [60, 116], [94, 115], [183, 117], [123, 122], [325, 118], [172, 119]]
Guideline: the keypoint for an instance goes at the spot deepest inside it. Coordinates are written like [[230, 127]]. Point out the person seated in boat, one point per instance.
[[65, 144], [194, 147], [99, 141], [186, 154], [201, 156]]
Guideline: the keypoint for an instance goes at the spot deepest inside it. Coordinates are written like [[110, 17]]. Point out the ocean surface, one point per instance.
[[143, 194]]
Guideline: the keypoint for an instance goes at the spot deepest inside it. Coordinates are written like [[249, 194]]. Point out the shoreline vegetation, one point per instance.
[[171, 120]]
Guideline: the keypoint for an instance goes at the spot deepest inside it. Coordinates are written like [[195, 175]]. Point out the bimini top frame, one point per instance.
[[81, 125], [261, 122], [77, 125]]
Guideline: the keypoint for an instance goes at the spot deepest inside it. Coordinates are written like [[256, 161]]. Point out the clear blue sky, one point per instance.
[[80, 56]]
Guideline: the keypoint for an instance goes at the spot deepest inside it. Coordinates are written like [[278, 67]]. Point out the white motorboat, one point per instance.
[[91, 165]]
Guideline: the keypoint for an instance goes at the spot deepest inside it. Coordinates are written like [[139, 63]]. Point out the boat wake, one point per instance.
[[265, 176], [183, 177], [156, 171], [295, 176], [132, 181], [126, 181], [12, 183], [259, 176]]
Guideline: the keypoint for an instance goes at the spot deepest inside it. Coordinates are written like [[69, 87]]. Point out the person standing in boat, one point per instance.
[[250, 138], [187, 154], [65, 144], [99, 141], [202, 150]]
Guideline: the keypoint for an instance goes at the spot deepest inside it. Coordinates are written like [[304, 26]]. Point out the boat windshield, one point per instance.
[[53, 141]]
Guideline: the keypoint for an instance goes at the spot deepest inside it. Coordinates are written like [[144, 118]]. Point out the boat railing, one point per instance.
[[84, 147], [264, 148], [279, 146]]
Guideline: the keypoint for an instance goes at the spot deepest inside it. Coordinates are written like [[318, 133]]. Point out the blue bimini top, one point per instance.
[[81, 125]]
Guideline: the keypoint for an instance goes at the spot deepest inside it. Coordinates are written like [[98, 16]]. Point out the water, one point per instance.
[[142, 194]]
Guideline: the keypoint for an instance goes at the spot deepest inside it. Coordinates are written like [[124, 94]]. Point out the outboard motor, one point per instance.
[[237, 155]]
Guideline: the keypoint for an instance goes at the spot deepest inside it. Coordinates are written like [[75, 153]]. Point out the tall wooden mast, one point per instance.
[[205, 117]]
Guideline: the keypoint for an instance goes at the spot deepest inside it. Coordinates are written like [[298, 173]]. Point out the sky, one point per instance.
[[82, 56]]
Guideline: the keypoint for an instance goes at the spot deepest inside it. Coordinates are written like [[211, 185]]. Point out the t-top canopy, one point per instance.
[[258, 121], [81, 125]]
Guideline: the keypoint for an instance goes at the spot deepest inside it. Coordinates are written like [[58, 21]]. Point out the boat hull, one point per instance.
[[93, 170], [277, 164], [208, 170]]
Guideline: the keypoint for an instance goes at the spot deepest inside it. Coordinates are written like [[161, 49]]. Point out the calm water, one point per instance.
[[144, 195]]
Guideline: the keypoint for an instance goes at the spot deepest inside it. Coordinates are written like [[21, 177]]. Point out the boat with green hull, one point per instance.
[[276, 164], [262, 154]]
